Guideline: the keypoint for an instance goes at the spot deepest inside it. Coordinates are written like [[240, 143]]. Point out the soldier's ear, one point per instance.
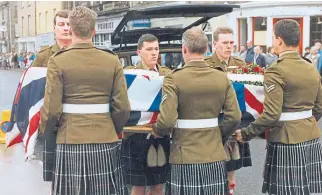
[[279, 41], [214, 44], [138, 52]]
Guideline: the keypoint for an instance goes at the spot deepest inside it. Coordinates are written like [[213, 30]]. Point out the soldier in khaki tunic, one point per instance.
[[62, 36], [238, 153], [63, 40], [141, 169], [292, 107], [190, 110], [86, 98]]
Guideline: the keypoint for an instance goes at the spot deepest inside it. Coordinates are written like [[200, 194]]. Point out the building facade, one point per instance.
[[26, 26], [45, 12], [8, 26], [110, 14], [254, 21]]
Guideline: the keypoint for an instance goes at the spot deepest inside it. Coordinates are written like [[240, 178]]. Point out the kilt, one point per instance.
[[48, 157], [245, 158], [244, 149], [293, 169], [197, 179], [134, 160], [88, 169]]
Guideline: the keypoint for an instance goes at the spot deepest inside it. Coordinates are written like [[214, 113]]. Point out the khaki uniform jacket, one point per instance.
[[197, 91], [83, 74], [43, 56], [216, 63], [162, 72], [291, 85]]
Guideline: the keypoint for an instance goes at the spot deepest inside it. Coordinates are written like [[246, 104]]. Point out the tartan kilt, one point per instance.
[[134, 152], [245, 158], [88, 169], [197, 179], [48, 157], [293, 169]]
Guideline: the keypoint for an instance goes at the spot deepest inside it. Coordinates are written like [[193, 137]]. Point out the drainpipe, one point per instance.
[[10, 31]]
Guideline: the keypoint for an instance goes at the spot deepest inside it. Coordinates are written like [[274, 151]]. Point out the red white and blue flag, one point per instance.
[[144, 92]]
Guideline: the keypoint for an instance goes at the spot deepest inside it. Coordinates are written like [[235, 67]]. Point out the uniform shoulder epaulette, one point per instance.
[[238, 59], [45, 49], [207, 58], [107, 50], [274, 64], [60, 52], [164, 67], [279, 60], [130, 67], [306, 59], [176, 69]]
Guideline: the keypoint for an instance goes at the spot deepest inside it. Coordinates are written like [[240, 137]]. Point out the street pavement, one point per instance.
[[18, 177]]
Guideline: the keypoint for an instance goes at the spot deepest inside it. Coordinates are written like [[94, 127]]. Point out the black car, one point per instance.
[[124, 41]]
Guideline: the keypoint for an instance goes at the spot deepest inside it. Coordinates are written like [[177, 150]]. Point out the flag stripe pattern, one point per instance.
[[145, 95]]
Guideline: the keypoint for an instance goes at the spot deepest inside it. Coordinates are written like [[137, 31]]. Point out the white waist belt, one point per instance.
[[86, 108], [197, 123], [290, 116]]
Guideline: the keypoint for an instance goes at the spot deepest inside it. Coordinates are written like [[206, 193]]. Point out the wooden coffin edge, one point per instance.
[[138, 129]]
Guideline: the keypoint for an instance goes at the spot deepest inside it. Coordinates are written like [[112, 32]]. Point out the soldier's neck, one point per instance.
[[64, 43], [195, 57], [146, 66], [284, 49], [79, 40], [223, 59]]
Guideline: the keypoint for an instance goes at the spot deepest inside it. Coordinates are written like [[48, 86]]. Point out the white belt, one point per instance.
[[86, 108], [290, 116], [197, 123]]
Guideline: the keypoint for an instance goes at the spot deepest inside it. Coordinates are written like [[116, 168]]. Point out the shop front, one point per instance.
[[254, 21]]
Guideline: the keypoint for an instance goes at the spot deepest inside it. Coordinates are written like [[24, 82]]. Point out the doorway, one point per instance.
[[242, 32]]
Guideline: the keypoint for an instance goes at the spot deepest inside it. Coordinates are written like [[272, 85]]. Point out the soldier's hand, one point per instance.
[[154, 131], [238, 136]]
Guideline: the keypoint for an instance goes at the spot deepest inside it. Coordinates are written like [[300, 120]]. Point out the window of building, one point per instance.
[[46, 18], [15, 12], [28, 25], [260, 24], [101, 39], [22, 26], [39, 22], [316, 30]]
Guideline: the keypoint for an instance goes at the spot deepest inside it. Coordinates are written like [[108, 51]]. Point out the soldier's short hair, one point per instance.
[[222, 30], [146, 38], [289, 31], [62, 14], [196, 40], [82, 21]]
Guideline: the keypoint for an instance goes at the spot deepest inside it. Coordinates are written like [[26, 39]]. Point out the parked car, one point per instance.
[[124, 40]]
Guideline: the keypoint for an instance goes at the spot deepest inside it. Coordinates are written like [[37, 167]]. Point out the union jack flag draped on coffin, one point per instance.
[[144, 91]]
